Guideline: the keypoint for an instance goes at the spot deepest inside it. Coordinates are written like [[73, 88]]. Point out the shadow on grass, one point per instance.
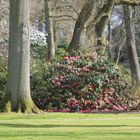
[[80, 134], [55, 126]]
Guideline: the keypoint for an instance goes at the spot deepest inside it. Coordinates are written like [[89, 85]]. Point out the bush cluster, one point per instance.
[[80, 83], [37, 37], [77, 83], [3, 81]]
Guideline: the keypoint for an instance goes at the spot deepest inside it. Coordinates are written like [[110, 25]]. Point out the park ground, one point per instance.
[[70, 126]]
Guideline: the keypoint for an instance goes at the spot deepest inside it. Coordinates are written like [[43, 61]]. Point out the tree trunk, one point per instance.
[[100, 26], [18, 96], [75, 42], [49, 29], [131, 45], [109, 45], [80, 24]]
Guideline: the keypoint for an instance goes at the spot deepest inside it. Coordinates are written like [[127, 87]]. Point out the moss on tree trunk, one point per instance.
[[24, 105], [17, 97], [28, 106]]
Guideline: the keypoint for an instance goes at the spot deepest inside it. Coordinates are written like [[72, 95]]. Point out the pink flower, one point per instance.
[[90, 87], [58, 83], [106, 110], [94, 56], [107, 80], [78, 92], [98, 101], [94, 107], [103, 67], [72, 58], [63, 87], [61, 77], [53, 81], [56, 78], [77, 57], [126, 82], [121, 109], [87, 102], [109, 91], [75, 83], [78, 69], [107, 101], [117, 108], [66, 58], [85, 69]]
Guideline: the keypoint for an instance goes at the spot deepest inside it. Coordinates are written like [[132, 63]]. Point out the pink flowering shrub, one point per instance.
[[81, 83]]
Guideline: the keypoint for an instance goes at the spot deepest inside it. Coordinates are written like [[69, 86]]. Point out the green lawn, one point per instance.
[[65, 126]]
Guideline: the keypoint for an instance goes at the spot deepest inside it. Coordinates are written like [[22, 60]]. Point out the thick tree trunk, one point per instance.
[[49, 29], [18, 96], [131, 45], [80, 24], [75, 42]]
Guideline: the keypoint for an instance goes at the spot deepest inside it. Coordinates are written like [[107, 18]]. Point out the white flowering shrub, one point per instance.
[[38, 41], [4, 21], [37, 37]]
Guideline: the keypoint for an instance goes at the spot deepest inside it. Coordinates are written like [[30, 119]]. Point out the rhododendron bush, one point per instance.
[[81, 83]]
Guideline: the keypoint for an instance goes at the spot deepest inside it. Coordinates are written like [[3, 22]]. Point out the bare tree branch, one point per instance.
[[129, 2], [104, 12], [64, 16]]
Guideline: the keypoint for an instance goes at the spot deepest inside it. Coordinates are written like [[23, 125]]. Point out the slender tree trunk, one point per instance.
[[131, 44], [109, 39], [18, 96], [100, 26], [80, 24], [50, 31]]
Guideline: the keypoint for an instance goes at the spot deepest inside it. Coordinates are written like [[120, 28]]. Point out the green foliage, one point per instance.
[[63, 46], [38, 52], [3, 81], [80, 82]]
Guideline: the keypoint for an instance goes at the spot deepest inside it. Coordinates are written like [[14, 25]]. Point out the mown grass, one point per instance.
[[69, 126]]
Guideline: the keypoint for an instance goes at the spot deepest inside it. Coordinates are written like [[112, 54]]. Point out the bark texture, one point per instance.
[[18, 97], [131, 44], [49, 29], [80, 24], [100, 26], [129, 2]]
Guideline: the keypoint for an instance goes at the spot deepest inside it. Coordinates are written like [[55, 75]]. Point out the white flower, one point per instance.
[[37, 37]]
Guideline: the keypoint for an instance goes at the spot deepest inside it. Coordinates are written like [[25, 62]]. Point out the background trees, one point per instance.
[[62, 27], [49, 30], [83, 17], [131, 44]]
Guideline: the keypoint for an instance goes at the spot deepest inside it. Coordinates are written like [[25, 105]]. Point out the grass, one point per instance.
[[69, 126]]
